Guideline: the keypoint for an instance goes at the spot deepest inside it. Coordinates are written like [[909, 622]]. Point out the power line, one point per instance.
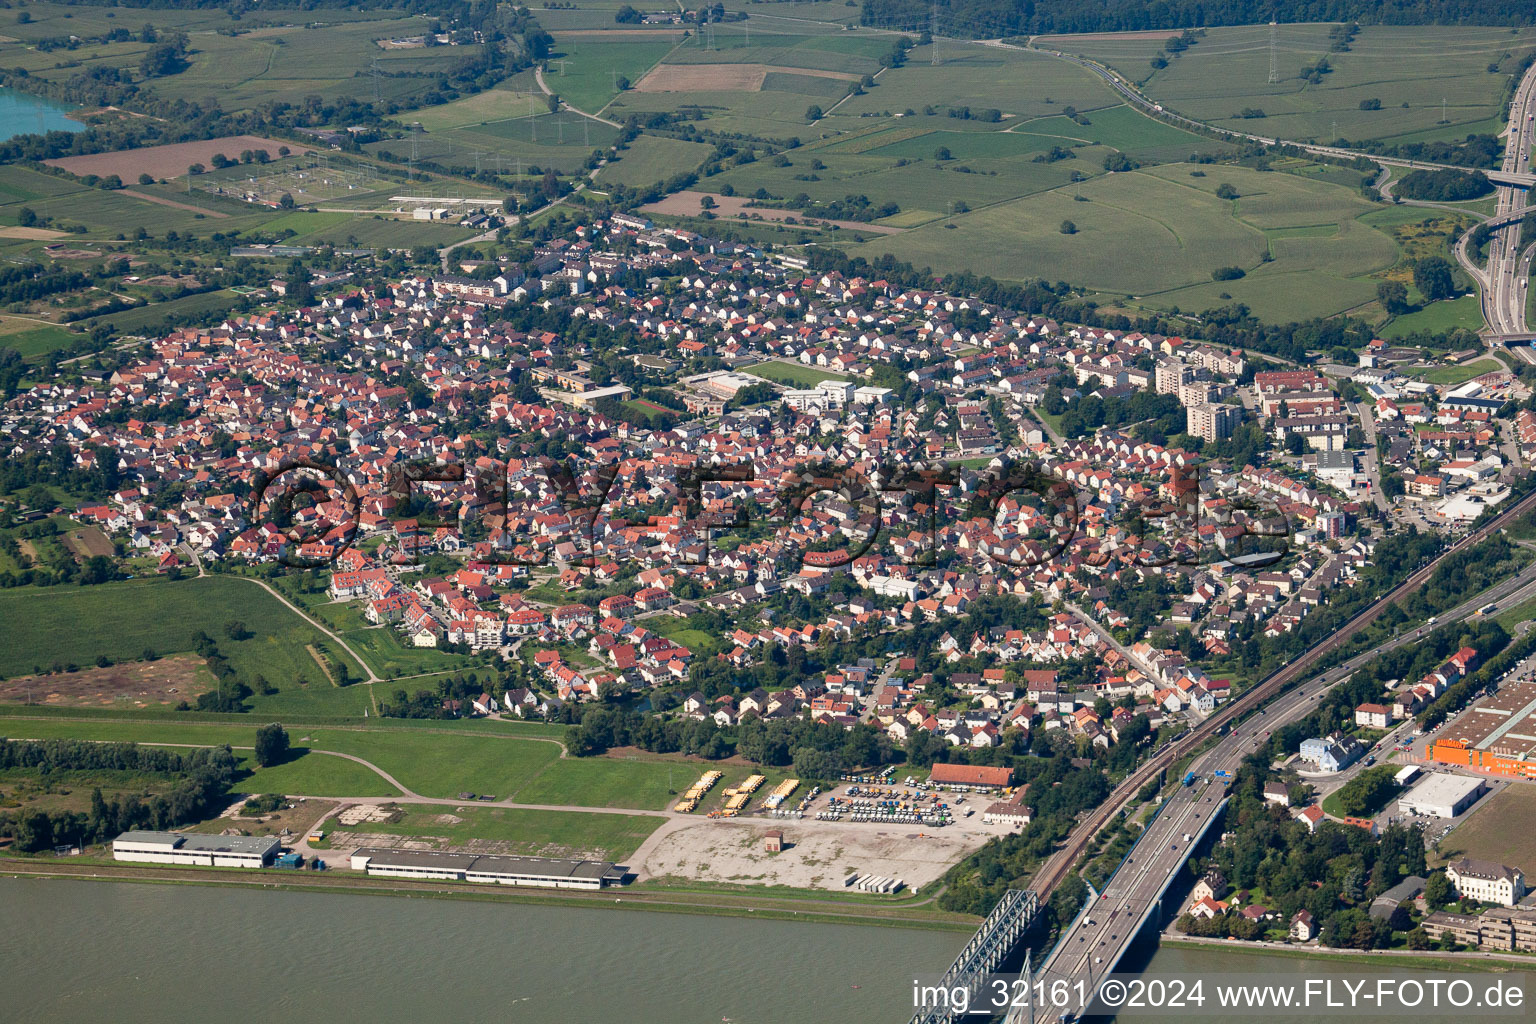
[[933, 34], [1274, 72]]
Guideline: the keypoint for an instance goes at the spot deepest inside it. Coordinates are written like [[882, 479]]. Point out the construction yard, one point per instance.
[[816, 854]]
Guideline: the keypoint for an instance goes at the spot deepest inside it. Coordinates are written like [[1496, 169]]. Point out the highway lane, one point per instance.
[[1094, 944], [1504, 298]]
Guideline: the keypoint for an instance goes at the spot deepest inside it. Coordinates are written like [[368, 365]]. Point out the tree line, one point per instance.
[[199, 781], [986, 18]]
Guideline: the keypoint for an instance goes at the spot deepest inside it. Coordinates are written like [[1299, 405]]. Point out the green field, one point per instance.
[[1437, 316], [794, 374], [609, 782], [31, 340], [1409, 69], [575, 834], [437, 761], [1159, 233], [584, 70], [310, 774], [47, 625], [157, 315], [650, 159]]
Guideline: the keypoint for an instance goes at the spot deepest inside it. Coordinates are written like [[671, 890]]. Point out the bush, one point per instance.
[[1068, 228], [1228, 273], [1227, 191]]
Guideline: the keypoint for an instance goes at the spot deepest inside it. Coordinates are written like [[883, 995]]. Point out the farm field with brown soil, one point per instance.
[[722, 77], [168, 680], [169, 161]]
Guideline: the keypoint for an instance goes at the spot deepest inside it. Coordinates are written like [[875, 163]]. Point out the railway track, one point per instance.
[[1061, 865]]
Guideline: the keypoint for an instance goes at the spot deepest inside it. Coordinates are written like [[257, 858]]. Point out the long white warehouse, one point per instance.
[[195, 848], [446, 865]]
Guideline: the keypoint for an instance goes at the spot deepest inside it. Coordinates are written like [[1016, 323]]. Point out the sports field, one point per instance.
[[796, 375], [1409, 70]]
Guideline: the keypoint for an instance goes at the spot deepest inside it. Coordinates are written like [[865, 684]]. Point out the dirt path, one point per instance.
[[173, 203]]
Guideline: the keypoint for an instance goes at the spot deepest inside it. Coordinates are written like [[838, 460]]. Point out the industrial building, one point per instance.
[[1496, 735], [447, 865], [195, 848], [1441, 795]]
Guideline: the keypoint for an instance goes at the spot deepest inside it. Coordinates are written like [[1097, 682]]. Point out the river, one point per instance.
[[130, 953], [22, 113]]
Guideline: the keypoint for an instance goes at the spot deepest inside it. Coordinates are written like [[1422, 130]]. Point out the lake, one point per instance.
[[22, 113], [127, 953]]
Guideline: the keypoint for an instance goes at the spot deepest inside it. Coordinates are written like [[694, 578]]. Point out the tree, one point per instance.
[[271, 745], [235, 630], [1294, 445], [146, 179], [1068, 228], [285, 201], [1227, 191], [1438, 891], [813, 113], [1393, 296], [627, 15], [942, 153], [1432, 276]]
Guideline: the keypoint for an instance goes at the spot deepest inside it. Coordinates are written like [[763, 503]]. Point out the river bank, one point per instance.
[[676, 900]]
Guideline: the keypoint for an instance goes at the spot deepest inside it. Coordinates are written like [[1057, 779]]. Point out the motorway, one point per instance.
[[1095, 943], [1503, 297]]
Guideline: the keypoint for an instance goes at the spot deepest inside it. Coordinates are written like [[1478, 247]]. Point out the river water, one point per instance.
[[134, 954], [22, 114]]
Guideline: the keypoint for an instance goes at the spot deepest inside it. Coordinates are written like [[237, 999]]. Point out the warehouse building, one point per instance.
[[447, 865], [194, 848], [1496, 735], [1441, 796]]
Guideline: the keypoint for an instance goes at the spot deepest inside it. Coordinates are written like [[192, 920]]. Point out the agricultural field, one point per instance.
[[516, 143], [152, 317], [170, 161], [585, 67], [1159, 233], [277, 55], [47, 626], [650, 159], [1409, 70], [31, 339]]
